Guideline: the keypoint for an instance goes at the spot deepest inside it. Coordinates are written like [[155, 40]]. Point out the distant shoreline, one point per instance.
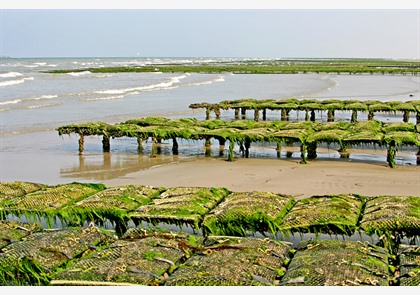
[[277, 66]]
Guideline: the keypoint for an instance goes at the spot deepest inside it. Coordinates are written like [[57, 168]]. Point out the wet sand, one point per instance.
[[282, 176]]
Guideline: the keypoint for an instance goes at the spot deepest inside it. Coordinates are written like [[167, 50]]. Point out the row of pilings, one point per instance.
[[310, 107], [307, 135]]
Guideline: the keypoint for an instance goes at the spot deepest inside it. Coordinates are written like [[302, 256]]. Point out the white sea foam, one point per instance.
[[42, 105], [104, 98], [219, 79], [43, 97], [78, 74], [105, 76], [15, 101], [135, 90], [14, 82], [11, 75]]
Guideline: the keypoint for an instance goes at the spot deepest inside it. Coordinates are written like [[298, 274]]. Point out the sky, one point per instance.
[[220, 32]]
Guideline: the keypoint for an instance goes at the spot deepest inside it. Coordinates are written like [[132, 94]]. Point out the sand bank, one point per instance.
[[284, 176]]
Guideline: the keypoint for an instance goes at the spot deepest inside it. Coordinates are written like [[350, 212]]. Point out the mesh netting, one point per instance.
[[52, 197], [337, 263], [392, 213], [337, 214], [181, 205], [247, 211], [409, 265], [233, 261], [142, 257], [17, 189], [34, 259], [113, 203], [13, 231]]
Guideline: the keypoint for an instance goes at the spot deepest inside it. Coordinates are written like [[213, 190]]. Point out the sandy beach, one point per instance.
[[282, 176]]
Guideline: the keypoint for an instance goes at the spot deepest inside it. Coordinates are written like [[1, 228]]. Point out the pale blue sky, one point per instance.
[[274, 33]]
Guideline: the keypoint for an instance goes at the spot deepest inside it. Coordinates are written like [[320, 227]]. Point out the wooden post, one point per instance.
[[330, 114], [236, 114], [158, 146], [207, 113], [217, 113], [81, 143], [256, 115], [283, 115], [207, 147], [247, 147], [344, 154], [418, 157], [390, 157], [306, 115], [312, 150], [303, 151], [371, 114], [264, 114], [231, 146], [222, 142], [406, 116], [313, 116], [139, 144], [153, 154], [353, 116], [278, 149], [243, 113], [174, 146], [106, 146]]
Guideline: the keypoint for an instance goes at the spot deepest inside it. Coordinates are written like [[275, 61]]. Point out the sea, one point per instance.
[[33, 103]]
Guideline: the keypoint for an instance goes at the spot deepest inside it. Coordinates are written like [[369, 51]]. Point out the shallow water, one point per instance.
[[33, 104]]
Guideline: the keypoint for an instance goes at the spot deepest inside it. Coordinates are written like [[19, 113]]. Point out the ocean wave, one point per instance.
[[158, 86], [105, 76], [104, 98], [78, 74], [15, 101], [219, 79], [43, 105], [11, 75], [15, 82], [43, 97]]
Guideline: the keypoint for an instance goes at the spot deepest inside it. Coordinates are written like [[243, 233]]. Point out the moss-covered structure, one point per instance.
[[240, 238], [308, 135], [311, 107]]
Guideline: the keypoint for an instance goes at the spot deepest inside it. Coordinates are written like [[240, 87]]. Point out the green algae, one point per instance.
[[240, 213]]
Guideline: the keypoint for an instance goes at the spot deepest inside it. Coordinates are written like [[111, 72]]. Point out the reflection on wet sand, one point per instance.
[[122, 161], [112, 166]]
